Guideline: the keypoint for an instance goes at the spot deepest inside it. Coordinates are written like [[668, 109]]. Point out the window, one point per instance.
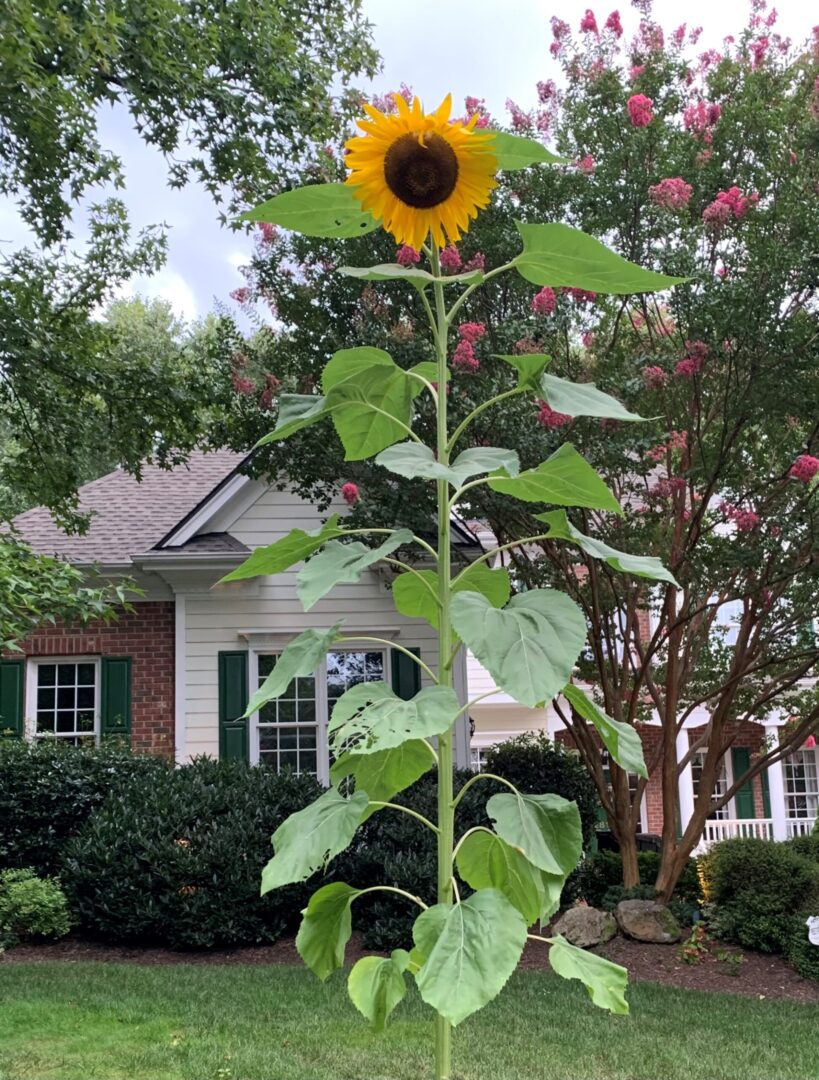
[[720, 786], [802, 785], [633, 781], [477, 757], [66, 702], [292, 729]]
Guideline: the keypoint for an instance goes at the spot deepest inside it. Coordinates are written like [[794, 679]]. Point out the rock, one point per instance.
[[646, 920], [585, 926]]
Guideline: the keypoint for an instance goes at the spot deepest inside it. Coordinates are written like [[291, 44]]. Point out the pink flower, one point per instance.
[[451, 259], [588, 24], [586, 165], [350, 493], [560, 29], [521, 121], [551, 419], [729, 202], [581, 296], [242, 385], [545, 302], [759, 48], [268, 231], [639, 110], [407, 256], [636, 71], [241, 295], [527, 345], [745, 520], [471, 331], [546, 91], [672, 194], [716, 214], [688, 366], [587, 339], [477, 262], [656, 453], [654, 377], [464, 359], [613, 23], [804, 468], [678, 37], [809, 743]]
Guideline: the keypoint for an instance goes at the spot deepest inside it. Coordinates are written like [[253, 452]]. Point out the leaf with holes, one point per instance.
[[371, 717], [328, 210], [545, 828], [470, 950], [565, 478], [386, 772], [339, 563], [415, 594], [528, 647], [485, 861], [583, 399], [376, 985], [562, 257], [621, 740], [308, 839], [300, 657], [291, 549], [326, 927], [606, 982], [560, 528]]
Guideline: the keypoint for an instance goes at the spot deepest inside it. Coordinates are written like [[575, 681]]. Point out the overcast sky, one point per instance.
[[493, 49]]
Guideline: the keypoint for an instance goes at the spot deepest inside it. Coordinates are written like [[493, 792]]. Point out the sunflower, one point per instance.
[[418, 173]]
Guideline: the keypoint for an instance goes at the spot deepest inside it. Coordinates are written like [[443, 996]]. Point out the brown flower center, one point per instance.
[[421, 174]]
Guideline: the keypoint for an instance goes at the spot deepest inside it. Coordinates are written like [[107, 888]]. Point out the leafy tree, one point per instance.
[[706, 167]]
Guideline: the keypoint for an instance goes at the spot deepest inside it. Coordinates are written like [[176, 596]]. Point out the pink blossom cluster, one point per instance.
[[728, 203], [526, 345], [672, 193], [464, 358], [241, 295], [804, 468], [587, 339], [701, 118], [241, 384], [581, 296], [695, 356], [546, 91], [544, 302], [521, 121], [654, 377], [759, 50], [677, 441], [477, 107], [271, 389], [639, 110], [548, 418], [588, 24], [678, 37], [560, 31], [451, 259], [636, 71], [477, 262], [268, 231], [667, 487], [407, 255], [350, 493], [650, 36], [386, 103], [614, 25], [745, 520], [586, 165], [471, 332]]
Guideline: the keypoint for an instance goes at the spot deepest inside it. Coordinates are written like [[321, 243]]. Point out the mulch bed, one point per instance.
[[758, 976]]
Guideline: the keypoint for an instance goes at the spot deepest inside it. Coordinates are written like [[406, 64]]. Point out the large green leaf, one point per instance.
[[386, 772], [469, 951], [529, 647], [606, 982], [621, 740], [329, 210], [376, 985], [560, 256], [428, 369], [307, 840], [300, 657], [529, 366], [412, 460], [415, 599], [582, 399], [485, 861], [560, 528], [296, 411], [326, 927], [370, 717], [371, 409], [564, 478], [346, 363], [291, 549], [395, 272], [545, 828], [515, 152], [342, 563]]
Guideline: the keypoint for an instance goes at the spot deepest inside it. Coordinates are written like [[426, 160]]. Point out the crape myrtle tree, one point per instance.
[[706, 164], [423, 178]]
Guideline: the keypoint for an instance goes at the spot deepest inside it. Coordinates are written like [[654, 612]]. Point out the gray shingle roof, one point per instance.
[[128, 516]]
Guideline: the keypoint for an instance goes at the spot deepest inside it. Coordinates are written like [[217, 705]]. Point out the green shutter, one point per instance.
[[744, 798], [115, 696], [11, 697], [233, 697], [406, 674], [766, 793]]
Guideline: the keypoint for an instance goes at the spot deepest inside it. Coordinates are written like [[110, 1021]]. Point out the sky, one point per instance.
[[494, 49]]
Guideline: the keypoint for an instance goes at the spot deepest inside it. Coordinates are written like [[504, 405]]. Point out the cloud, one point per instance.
[[166, 285]]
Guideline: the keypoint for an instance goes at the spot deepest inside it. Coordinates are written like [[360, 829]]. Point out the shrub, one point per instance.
[[31, 907], [756, 889], [807, 846], [176, 857], [798, 949], [48, 790], [600, 883]]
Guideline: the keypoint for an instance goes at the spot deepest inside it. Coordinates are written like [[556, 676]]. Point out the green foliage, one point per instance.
[[284, 553], [415, 594], [326, 928], [621, 740], [327, 210], [514, 152], [338, 563], [485, 861], [606, 982], [31, 907], [301, 656], [546, 828], [370, 717], [386, 772], [564, 479], [376, 985], [599, 882], [560, 528]]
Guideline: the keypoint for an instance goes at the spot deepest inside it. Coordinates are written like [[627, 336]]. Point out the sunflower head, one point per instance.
[[418, 173]]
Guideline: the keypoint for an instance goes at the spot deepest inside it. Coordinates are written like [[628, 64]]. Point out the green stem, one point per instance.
[[475, 779], [446, 814], [466, 487], [411, 570], [497, 550], [469, 832], [393, 889], [476, 412], [453, 311], [404, 810]]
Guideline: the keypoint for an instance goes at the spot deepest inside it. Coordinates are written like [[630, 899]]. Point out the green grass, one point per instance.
[[121, 1022]]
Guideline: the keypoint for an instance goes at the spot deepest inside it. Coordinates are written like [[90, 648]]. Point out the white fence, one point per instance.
[[799, 827], [729, 828]]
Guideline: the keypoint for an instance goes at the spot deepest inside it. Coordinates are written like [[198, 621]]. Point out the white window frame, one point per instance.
[[728, 811], [322, 710], [789, 794], [33, 665]]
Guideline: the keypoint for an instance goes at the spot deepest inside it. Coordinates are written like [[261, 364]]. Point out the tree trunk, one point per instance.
[[628, 856]]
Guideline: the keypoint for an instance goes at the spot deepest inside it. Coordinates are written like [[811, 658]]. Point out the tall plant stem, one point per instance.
[[446, 813]]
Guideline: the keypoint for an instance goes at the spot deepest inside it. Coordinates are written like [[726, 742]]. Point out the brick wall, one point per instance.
[[147, 635]]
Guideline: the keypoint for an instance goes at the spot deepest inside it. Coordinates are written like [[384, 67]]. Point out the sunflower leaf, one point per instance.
[[583, 399], [606, 982], [621, 740], [396, 272], [515, 152], [529, 366], [284, 553], [565, 479], [327, 210], [339, 563]]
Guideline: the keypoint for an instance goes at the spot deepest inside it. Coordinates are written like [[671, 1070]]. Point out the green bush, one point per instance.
[[600, 883], [48, 790], [807, 846], [798, 949], [756, 889], [31, 907], [176, 857]]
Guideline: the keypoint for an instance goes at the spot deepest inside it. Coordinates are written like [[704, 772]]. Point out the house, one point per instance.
[[174, 675]]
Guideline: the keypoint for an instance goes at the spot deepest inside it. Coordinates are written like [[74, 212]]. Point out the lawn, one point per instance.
[[91, 1021]]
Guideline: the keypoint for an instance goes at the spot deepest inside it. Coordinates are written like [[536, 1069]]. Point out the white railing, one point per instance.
[[799, 827], [730, 828]]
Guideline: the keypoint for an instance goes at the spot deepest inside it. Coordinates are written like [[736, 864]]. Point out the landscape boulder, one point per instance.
[[646, 920], [586, 926]]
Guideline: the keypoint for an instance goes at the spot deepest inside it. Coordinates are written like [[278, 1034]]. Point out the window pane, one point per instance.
[[66, 698], [85, 697], [46, 674], [66, 674], [307, 687], [45, 722], [65, 721], [45, 698], [266, 665], [85, 674], [283, 745], [287, 712]]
